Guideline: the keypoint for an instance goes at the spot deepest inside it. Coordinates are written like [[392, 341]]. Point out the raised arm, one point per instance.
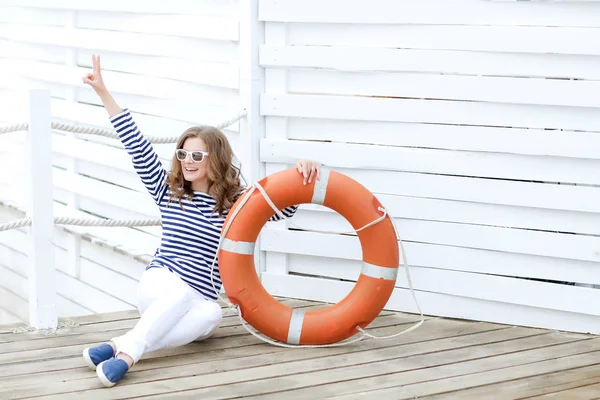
[[145, 161]]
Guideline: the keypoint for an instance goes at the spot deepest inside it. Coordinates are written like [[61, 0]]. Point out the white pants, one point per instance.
[[172, 314]]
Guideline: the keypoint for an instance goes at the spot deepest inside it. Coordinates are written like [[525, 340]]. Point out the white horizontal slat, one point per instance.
[[491, 191], [8, 318], [433, 61], [196, 96], [489, 165], [443, 12], [22, 83], [96, 115], [117, 176], [215, 27], [12, 303], [190, 112], [16, 283], [478, 286], [517, 39], [15, 245], [486, 214], [34, 16], [27, 51], [107, 156], [194, 7], [520, 241], [125, 42], [538, 142], [95, 207], [104, 192], [435, 304], [345, 247], [221, 74], [430, 111], [552, 92]]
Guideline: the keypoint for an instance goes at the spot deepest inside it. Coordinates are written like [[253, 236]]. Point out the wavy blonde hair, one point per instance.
[[223, 177]]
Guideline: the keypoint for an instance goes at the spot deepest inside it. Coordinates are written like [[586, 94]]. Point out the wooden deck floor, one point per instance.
[[443, 359]]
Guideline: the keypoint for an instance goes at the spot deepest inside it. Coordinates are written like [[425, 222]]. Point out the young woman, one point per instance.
[[176, 298]]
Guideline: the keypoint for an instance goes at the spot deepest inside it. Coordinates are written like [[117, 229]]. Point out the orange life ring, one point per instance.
[[333, 323]]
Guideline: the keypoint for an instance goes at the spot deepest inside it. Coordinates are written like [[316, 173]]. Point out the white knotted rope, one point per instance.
[[358, 337], [84, 222], [109, 133]]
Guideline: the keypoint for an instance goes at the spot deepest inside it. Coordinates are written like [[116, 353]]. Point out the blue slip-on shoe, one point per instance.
[[111, 371], [95, 355]]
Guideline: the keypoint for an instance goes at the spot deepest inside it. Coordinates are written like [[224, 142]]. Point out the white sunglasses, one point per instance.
[[197, 156]]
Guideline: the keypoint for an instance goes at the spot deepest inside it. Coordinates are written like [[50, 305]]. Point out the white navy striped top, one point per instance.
[[190, 237]]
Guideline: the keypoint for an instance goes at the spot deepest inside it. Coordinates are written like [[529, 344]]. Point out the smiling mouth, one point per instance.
[[191, 169]]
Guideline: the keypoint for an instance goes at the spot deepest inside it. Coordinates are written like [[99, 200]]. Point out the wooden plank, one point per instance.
[[146, 380], [221, 74], [310, 373], [431, 12], [66, 347], [30, 340], [185, 109], [551, 384], [166, 91], [338, 249], [435, 304], [469, 285], [107, 193], [194, 7], [33, 16], [430, 111], [27, 51], [125, 42], [216, 27], [407, 207], [492, 191], [83, 291], [516, 39], [18, 307], [581, 392], [351, 58], [406, 85], [493, 372], [575, 247], [538, 142], [433, 161]]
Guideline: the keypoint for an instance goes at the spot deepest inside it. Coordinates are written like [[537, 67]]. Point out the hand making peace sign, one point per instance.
[[94, 78]]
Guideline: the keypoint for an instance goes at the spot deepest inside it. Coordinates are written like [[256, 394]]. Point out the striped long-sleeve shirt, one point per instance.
[[190, 237]]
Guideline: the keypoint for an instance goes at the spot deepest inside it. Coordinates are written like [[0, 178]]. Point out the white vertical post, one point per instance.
[[42, 292], [276, 82], [73, 241], [251, 85]]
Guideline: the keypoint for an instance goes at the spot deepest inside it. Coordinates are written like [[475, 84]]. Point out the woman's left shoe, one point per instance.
[[95, 355], [111, 371]]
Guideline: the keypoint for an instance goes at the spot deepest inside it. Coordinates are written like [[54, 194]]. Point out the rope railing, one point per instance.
[[108, 133], [20, 223]]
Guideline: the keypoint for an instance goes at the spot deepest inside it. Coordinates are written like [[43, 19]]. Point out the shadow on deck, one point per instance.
[[443, 359]]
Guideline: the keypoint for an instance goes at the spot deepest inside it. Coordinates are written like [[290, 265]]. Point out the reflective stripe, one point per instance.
[[375, 271], [320, 189], [237, 247], [295, 327]]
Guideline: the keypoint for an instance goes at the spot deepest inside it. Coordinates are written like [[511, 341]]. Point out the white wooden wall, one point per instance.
[[173, 64], [477, 124]]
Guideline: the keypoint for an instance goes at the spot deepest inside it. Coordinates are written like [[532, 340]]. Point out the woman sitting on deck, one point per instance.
[[176, 298]]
